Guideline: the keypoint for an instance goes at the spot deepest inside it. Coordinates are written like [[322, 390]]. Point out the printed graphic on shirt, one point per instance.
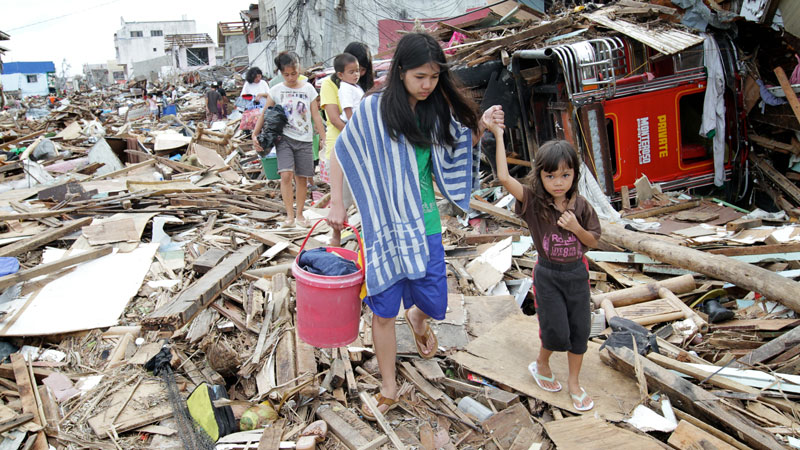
[[560, 247], [297, 106]]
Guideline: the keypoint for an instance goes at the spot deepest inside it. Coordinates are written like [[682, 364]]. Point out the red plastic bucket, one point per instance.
[[328, 307]]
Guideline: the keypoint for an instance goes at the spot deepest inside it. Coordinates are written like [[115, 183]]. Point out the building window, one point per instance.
[[32, 78], [154, 33], [197, 56], [136, 34], [155, 50], [119, 75]]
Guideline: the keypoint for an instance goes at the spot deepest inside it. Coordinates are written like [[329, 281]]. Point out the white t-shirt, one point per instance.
[[297, 104], [256, 88], [349, 97]]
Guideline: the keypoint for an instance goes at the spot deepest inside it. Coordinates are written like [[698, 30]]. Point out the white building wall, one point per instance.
[[132, 49], [19, 82], [319, 32]]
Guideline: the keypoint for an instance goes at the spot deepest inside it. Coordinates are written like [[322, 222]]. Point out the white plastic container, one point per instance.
[[474, 408]]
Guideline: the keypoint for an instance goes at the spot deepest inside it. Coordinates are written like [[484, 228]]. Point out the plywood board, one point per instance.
[[586, 432], [614, 393], [147, 405], [485, 312], [103, 286]]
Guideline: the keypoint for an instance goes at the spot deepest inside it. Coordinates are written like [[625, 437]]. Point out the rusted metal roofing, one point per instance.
[[668, 41]]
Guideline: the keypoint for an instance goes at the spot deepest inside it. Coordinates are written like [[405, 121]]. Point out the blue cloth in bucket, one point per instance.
[[320, 261], [8, 265]]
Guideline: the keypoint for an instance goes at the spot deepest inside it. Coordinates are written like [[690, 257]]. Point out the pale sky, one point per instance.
[[82, 31]]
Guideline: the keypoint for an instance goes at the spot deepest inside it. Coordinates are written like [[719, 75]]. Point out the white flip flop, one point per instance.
[[532, 368], [578, 399]]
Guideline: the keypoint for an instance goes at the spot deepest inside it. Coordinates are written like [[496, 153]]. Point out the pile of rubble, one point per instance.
[[122, 235]]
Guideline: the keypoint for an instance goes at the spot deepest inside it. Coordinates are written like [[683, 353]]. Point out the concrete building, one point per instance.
[[142, 41], [104, 74], [29, 78], [232, 38], [319, 30]]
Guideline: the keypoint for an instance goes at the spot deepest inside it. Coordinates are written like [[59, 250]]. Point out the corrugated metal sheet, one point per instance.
[[790, 11], [667, 42]]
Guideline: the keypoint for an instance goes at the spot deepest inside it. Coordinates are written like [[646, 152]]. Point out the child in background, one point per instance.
[[300, 101], [563, 224], [152, 103], [350, 93]]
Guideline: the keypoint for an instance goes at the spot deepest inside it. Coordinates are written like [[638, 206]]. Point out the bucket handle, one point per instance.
[[355, 231]]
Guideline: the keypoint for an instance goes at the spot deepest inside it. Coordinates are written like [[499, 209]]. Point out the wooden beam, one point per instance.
[[204, 291], [787, 89], [650, 212], [34, 242], [772, 348], [345, 424], [27, 397], [771, 144], [48, 268], [776, 177], [15, 422], [373, 407], [209, 260], [756, 249], [687, 435], [769, 284], [693, 399], [498, 213], [717, 380]]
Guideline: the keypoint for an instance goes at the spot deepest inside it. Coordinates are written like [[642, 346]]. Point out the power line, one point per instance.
[[63, 15]]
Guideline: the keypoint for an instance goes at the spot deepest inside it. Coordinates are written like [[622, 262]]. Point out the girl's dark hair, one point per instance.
[[252, 73], [286, 59], [549, 157], [339, 63], [429, 122], [361, 51]]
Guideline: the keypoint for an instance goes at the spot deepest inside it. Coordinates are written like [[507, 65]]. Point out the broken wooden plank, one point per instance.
[[271, 439], [693, 399], [26, 386], [15, 422], [500, 398], [496, 212], [204, 291], [209, 260], [776, 177], [373, 407], [772, 348], [48, 268], [352, 431], [791, 97], [590, 432], [34, 242], [650, 212], [742, 224], [306, 366], [716, 380], [689, 436]]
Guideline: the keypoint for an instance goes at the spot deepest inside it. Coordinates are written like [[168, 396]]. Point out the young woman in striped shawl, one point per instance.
[[417, 129]]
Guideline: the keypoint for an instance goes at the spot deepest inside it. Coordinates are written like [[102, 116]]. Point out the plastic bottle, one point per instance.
[[475, 409]]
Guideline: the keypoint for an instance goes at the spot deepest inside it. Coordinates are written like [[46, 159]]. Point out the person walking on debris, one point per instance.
[[212, 103], [300, 101], [563, 224], [330, 101], [397, 140]]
